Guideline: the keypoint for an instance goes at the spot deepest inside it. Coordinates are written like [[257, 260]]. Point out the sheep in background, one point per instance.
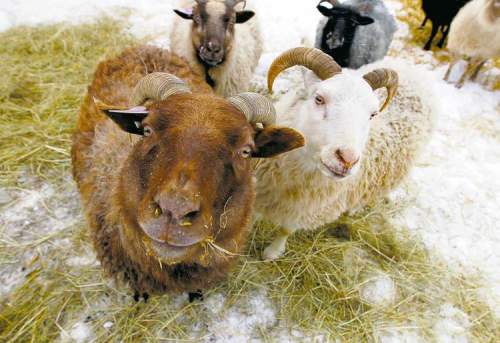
[[440, 13], [475, 34], [223, 43], [353, 155], [356, 32], [166, 180]]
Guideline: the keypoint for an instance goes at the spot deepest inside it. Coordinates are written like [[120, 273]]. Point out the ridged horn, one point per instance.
[[257, 108], [157, 86], [384, 78], [323, 65]]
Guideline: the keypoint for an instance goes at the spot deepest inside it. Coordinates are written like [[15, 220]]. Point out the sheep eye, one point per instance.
[[373, 115], [319, 100], [226, 20], [246, 152], [147, 131]]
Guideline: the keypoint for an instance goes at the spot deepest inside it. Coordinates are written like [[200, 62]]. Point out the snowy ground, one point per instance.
[[455, 183]]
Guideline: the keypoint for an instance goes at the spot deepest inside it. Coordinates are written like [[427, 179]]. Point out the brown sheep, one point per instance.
[[168, 192]]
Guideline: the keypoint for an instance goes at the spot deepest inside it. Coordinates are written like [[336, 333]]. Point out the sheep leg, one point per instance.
[[454, 60], [431, 38], [193, 296], [477, 69], [423, 23], [472, 66], [443, 38], [277, 247]]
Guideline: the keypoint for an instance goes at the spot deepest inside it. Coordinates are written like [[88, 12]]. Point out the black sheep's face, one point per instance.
[[341, 25]]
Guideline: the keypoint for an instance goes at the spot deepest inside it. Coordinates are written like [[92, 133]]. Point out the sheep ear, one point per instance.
[[273, 141], [185, 13], [361, 20], [324, 10], [129, 120], [244, 16]]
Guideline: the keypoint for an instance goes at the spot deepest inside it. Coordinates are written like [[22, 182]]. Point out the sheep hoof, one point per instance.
[[138, 296], [193, 296], [271, 253]]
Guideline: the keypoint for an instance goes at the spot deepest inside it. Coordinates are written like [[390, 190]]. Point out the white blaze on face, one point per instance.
[[336, 123]]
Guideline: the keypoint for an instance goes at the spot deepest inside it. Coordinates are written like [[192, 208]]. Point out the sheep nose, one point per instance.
[[347, 157], [177, 209], [213, 47]]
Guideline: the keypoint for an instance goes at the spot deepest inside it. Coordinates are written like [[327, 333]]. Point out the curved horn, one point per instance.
[[157, 86], [257, 108], [381, 78], [323, 65]]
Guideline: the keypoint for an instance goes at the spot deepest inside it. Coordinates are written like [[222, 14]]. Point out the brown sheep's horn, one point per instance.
[[257, 108], [387, 78], [157, 86], [323, 65]]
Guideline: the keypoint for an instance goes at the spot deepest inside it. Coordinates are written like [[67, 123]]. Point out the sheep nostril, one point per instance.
[[188, 219], [157, 212], [347, 158]]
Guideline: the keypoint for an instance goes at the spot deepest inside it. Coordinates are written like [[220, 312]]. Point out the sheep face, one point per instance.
[[187, 184], [336, 123], [341, 25], [213, 28]]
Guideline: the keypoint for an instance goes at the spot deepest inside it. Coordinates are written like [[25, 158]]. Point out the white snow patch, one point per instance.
[[455, 183], [240, 323], [80, 333], [452, 325], [379, 290], [394, 334], [108, 325]]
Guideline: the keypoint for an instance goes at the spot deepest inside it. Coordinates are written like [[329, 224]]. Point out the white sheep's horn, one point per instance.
[[381, 78], [257, 108], [323, 65], [157, 86]]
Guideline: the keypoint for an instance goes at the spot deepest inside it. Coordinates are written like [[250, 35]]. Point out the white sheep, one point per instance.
[[223, 43], [475, 35], [349, 160]]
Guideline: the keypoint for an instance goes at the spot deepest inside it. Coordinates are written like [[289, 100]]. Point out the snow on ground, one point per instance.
[[455, 183]]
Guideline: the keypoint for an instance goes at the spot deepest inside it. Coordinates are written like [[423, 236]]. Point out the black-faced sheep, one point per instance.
[[354, 153], [356, 32], [220, 41], [440, 13], [475, 35], [164, 172]]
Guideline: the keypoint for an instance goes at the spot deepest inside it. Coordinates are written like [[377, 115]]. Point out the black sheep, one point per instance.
[[356, 32], [440, 13]]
